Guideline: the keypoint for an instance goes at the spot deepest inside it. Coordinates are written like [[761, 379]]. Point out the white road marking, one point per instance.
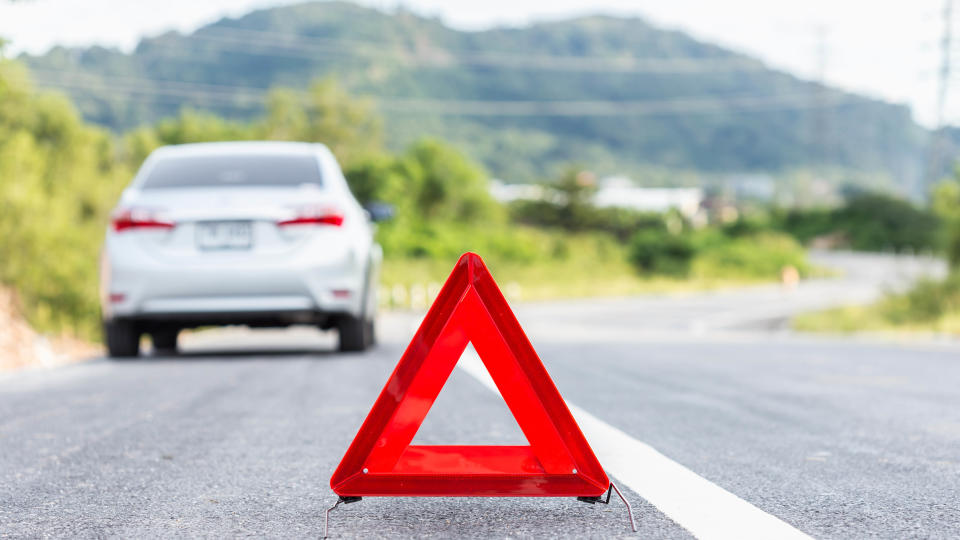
[[705, 509]]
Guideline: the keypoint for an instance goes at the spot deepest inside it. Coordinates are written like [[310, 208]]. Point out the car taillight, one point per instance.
[[139, 218], [314, 216]]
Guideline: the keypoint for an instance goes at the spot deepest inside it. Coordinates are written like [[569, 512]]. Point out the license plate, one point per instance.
[[224, 235]]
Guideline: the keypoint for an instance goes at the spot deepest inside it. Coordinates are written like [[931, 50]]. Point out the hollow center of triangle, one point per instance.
[[467, 413]]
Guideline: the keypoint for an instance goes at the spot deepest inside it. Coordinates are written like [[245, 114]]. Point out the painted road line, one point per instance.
[[705, 509]]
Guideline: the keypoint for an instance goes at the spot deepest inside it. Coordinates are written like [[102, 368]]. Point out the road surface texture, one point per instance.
[[715, 420]]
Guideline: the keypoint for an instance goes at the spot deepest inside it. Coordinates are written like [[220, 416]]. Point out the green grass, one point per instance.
[[545, 265], [757, 257], [931, 306], [553, 280]]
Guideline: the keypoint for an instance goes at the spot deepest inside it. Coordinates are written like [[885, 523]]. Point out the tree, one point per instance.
[[574, 196], [193, 126], [446, 185], [568, 203], [377, 178], [349, 126], [58, 180], [286, 119]]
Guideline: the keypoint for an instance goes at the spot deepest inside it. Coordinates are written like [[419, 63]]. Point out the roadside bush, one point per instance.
[[713, 254], [659, 252], [869, 222], [377, 178], [619, 222], [447, 241], [760, 256], [746, 226], [929, 305], [928, 300], [946, 205], [877, 220]]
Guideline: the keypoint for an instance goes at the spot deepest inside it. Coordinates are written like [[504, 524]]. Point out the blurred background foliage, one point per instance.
[[60, 177], [867, 222], [416, 66], [931, 304]]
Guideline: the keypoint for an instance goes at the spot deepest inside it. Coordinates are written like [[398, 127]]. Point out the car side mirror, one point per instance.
[[379, 211]]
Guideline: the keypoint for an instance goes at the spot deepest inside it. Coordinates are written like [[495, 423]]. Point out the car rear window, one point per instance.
[[233, 170]]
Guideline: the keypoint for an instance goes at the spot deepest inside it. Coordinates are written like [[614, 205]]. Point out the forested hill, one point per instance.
[[616, 94]]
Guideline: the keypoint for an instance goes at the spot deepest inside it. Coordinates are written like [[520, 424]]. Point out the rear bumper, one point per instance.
[[145, 289], [227, 304], [264, 319]]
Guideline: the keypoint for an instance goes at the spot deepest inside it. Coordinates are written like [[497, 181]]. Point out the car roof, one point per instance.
[[240, 147]]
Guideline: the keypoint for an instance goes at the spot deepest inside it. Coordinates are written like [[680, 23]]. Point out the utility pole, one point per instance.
[[822, 140], [943, 91]]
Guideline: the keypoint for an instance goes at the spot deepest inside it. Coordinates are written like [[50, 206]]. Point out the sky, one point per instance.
[[888, 49]]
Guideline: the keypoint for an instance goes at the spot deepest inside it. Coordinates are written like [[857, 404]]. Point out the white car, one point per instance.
[[261, 234]]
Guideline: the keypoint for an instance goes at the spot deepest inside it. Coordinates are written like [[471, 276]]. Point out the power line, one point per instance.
[[146, 85], [259, 43], [680, 106], [237, 96]]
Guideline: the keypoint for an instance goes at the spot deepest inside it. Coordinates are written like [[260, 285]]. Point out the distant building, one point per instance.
[[614, 192], [759, 187], [515, 192], [620, 192]]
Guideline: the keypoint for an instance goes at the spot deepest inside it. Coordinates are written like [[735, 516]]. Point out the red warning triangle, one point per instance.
[[470, 309]]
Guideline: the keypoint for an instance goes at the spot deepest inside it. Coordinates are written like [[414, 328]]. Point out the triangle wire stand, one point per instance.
[[590, 500]]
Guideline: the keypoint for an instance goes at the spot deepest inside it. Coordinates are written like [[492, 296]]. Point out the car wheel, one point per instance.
[[123, 339], [165, 341], [353, 333]]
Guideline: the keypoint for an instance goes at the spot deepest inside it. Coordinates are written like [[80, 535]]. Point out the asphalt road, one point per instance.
[[838, 438]]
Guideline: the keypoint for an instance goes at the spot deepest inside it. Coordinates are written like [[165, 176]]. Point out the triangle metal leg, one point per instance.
[[326, 517], [633, 524], [601, 500]]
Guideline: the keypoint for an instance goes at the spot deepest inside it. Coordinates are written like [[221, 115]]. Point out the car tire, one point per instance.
[[165, 341], [353, 334], [123, 339]]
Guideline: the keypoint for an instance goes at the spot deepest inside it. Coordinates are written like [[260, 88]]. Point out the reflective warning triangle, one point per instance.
[[469, 309]]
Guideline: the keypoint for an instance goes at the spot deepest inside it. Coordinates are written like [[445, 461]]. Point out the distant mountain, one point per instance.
[[615, 94]]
